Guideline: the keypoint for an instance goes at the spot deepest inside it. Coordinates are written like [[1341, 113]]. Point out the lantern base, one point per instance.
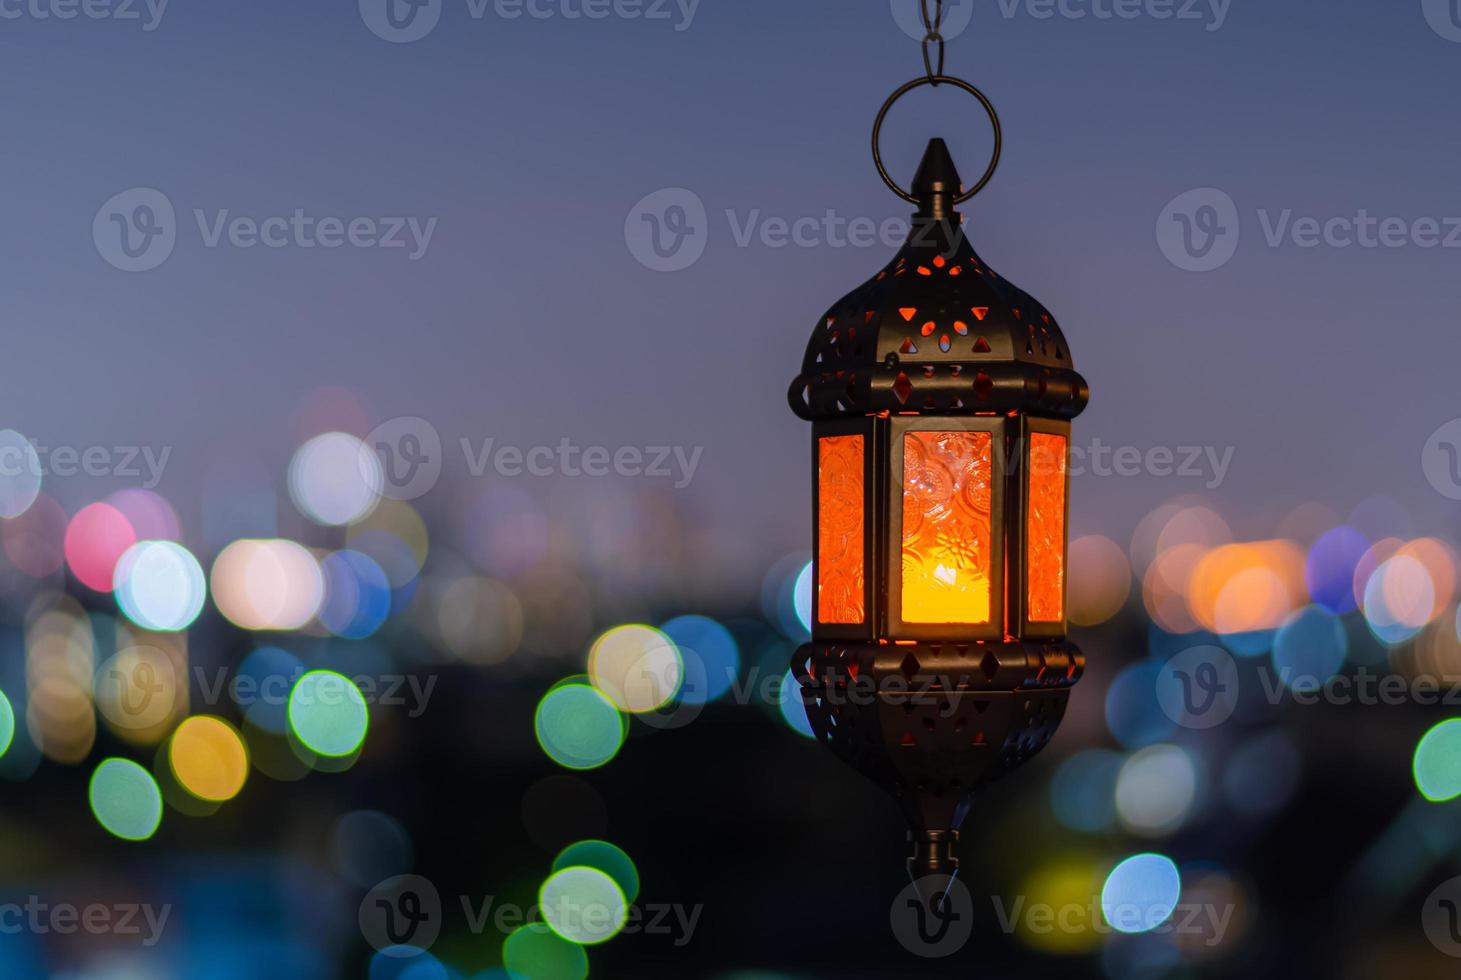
[[932, 723]]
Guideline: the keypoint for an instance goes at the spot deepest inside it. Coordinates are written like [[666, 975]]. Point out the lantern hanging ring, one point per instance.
[[938, 80]]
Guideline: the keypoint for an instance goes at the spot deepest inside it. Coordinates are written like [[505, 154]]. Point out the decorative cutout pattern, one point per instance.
[[1045, 530], [840, 556], [947, 527]]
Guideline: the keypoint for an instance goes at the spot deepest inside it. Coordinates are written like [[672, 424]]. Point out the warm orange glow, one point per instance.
[[947, 527], [840, 528], [1240, 588], [1045, 529]]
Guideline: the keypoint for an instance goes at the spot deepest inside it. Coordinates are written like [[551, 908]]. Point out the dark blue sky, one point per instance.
[[530, 139]]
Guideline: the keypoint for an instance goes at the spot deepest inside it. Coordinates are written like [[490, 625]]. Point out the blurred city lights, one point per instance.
[[1330, 568], [267, 584], [1399, 599], [1155, 790], [261, 686], [1083, 792], [1140, 893], [335, 479], [793, 708], [578, 727], [35, 541], [357, 595], [638, 668], [718, 656], [20, 474], [208, 758], [535, 950], [7, 723], [159, 585], [1099, 580], [327, 713], [1262, 774], [1309, 649], [125, 799], [367, 847], [605, 857], [1437, 763], [150, 515], [95, 540], [802, 597], [583, 905], [1133, 713]]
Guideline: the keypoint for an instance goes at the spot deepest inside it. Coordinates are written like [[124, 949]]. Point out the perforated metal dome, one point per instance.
[[937, 331]]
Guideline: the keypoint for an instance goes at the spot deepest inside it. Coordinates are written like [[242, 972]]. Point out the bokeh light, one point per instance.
[[578, 727], [149, 513], [96, 539], [7, 723], [802, 597], [1330, 568], [20, 474], [705, 640], [583, 905], [1399, 599], [208, 758], [327, 713], [267, 584], [125, 799], [1099, 581], [1155, 790], [1140, 893], [367, 847], [793, 707], [357, 595], [1083, 792], [159, 585], [1133, 713], [35, 541], [262, 684], [1309, 649], [607, 858], [536, 951], [638, 668], [1437, 763], [335, 479]]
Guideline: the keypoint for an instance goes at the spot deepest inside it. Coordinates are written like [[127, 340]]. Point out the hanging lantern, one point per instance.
[[941, 399]]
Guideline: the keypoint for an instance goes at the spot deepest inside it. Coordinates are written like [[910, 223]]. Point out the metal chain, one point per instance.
[[932, 26]]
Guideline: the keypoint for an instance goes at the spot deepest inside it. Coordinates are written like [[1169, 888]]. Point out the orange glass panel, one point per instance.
[[840, 542], [947, 527], [1045, 529]]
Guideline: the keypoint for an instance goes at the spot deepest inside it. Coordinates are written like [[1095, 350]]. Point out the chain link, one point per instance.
[[932, 25]]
